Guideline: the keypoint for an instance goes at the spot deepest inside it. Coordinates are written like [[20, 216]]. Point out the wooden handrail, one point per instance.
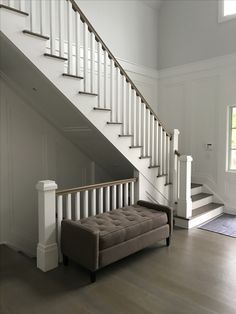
[[117, 64], [95, 186]]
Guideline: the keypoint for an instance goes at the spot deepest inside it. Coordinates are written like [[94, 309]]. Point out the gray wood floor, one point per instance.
[[196, 274]]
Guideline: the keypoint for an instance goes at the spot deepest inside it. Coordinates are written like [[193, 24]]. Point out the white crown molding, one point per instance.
[[199, 66]]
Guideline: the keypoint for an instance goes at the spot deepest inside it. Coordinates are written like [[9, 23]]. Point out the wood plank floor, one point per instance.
[[196, 274]]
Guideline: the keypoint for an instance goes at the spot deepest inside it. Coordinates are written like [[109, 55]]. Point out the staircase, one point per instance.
[[65, 55], [204, 208]]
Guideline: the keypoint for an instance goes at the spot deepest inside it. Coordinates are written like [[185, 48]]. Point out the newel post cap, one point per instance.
[[176, 132], [46, 185], [185, 158]]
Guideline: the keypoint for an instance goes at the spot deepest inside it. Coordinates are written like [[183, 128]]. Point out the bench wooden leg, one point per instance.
[[168, 241], [65, 260], [93, 276]]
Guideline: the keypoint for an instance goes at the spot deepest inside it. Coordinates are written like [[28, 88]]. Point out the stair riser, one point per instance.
[[202, 202], [188, 224], [197, 190]]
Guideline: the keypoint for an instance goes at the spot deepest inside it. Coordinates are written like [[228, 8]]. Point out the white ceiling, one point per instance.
[[154, 4]]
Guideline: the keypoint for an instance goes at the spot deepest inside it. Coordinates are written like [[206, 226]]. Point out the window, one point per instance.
[[227, 10], [232, 139]]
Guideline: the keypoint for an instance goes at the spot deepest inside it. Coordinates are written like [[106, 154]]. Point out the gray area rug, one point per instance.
[[225, 224]]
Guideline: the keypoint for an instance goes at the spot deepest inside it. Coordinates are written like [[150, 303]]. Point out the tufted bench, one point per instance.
[[97, 241]]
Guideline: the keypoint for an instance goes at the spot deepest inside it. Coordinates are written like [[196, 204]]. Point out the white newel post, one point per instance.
[[184, 207], [47, 249], [174, 165]]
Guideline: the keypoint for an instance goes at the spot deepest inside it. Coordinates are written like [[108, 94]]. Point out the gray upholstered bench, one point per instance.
[[97, 241]]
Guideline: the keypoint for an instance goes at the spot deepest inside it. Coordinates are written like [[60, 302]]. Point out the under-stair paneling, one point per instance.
[[32, 150], [195, 99]]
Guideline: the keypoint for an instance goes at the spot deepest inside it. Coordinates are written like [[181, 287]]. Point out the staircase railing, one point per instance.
[[74, 204]]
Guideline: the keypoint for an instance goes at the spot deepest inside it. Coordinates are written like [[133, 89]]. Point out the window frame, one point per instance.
[[221, 17], [230, 128]]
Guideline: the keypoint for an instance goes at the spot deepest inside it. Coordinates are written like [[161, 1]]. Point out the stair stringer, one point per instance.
[[33, 48]]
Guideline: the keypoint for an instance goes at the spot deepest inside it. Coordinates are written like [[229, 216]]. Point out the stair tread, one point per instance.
[[195, 185], [73, 76], [25, 31], [55, 56], [87, 93], [13, 9], [200, 196], [202, 210]]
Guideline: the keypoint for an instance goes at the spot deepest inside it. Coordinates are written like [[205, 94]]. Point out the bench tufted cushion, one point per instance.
[[123, 224]]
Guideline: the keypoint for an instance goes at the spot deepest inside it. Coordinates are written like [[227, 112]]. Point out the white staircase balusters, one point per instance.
[[69, 37], [33, 12], [112, 104], [42, 22], [147, 140], [85, 56], [138, 121], [107, 198], [59, 219], [124, 105], [85, 204], [61, 28], [114, 197], [52, 27], [68, 206], [93, 202], [128, 109], [144, 129], [156, 138], [131, 193], [164, 152], [77, 43], [22, 5], [105, 78], [99, 48], [118, 111], [92, 62], [152, 140], [120, 196], [100, 200], [134, 117], [174, 165], [126, 194], [160, 149], [168, 159], [77, 206]]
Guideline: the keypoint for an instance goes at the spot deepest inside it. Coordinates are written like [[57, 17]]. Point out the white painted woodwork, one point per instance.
[[134, 117], [114, 197], [128, 108], [85, 56], [138, 121], [99, 76], [100, 200], [52, 22], [184, 207], [174, 165], [160, 149], [59, 219], [47, 249], [61, 27], [77, 43], [164, 151], [69, 37], [92, 61], [120, 196], [22, 5], [126, 194], [131, 193], [147, 133], [105, 78], [107, 198], [77, 206], [33, 12], [93, 202], [85, 204], [124, 105], [118, 96], [42, 22], [156, 146], [152, 144], [144, 129], [168, 159], [112, 104], [68, 207]]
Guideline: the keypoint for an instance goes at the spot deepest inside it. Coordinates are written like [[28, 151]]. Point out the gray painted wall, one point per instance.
[[188, 31], [129, 28]]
